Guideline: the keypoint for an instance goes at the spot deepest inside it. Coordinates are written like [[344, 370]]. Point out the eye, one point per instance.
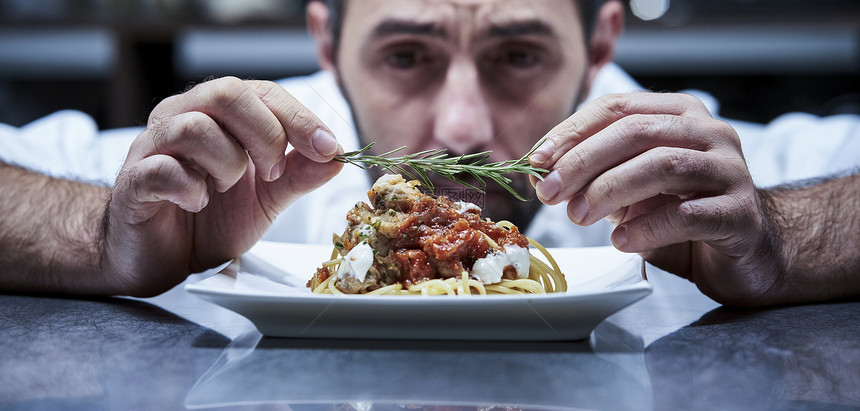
[[404, 59], [519, 59]]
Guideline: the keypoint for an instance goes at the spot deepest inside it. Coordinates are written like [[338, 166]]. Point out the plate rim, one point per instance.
[[202, 288], [595, 305]]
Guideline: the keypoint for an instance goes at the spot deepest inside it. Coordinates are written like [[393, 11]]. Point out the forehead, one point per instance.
[[446, 17]]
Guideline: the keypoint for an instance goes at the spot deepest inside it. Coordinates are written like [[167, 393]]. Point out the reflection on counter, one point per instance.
[[389, 374]]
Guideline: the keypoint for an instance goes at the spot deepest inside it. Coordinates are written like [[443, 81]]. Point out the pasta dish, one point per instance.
[[406, 242]]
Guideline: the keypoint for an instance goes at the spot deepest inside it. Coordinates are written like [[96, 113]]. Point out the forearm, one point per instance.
[[50, 234], [817, 233]]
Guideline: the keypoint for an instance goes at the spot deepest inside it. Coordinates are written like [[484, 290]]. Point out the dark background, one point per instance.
[[116, 59]]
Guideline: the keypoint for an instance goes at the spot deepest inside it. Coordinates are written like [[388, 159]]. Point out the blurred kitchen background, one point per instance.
[[116, 59]]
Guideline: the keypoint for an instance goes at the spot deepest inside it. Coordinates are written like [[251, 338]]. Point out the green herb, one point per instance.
[[338, 245], [439, 162]]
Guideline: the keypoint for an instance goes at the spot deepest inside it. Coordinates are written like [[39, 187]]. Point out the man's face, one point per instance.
[[465, 75]]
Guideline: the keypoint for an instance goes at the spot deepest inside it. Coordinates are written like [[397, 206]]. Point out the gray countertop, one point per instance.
[[675, 349]]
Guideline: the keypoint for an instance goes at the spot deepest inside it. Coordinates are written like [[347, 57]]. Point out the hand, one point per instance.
[[674, 182], [206, 179]]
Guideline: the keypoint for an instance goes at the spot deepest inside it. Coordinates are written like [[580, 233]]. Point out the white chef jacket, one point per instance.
[[68, 144]]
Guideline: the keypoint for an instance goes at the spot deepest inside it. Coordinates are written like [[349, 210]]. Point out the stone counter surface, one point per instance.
[[676, 349]]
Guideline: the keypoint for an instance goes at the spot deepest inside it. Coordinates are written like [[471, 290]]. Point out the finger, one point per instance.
[[662, 170], [301, 176], [720, 221], [304, 130], [626, 139], [641, 207], [235, 105], [601, 112], [144, 187], [197, 140]]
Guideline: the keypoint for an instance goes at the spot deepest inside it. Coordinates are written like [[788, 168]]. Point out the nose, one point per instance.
[[463, 122]]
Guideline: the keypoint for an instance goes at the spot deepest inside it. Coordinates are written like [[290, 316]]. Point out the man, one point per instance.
[[208, 176]]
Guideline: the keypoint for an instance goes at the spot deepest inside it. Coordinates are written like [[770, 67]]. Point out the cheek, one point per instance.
[[388, 111], [522, 126], [391, 122], [525, 118]]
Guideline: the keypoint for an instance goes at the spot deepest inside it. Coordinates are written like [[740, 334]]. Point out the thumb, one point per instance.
[[301, 176]]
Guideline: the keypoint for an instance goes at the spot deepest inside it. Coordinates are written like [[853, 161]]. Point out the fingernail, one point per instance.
[[549, 187], [543, 153], [578, 208], [278, 169], [324, 143], [619, 237]]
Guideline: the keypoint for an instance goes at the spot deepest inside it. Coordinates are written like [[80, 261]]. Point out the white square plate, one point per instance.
[[267, 285]]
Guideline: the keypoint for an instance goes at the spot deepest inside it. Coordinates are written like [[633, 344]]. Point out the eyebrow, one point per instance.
[[394, 27], [523, 28]]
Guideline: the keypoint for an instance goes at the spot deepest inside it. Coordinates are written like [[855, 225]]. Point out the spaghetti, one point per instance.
[[410, 243]]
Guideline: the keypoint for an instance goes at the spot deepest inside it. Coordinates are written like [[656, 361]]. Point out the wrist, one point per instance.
[[815, 228], [773, 250]]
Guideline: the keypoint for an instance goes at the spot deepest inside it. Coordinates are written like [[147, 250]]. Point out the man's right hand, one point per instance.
[[207, 178]]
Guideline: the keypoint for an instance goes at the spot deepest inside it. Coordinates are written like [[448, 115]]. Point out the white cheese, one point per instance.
[[489, 270], [356, 262], [365, 231], [463, 207], [388, 180]]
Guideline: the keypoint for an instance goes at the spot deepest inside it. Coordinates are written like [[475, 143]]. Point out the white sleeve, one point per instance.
[[319, 93], [799, 146], [67, 144]]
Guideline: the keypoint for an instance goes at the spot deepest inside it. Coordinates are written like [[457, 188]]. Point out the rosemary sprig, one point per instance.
[[439, 162]]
